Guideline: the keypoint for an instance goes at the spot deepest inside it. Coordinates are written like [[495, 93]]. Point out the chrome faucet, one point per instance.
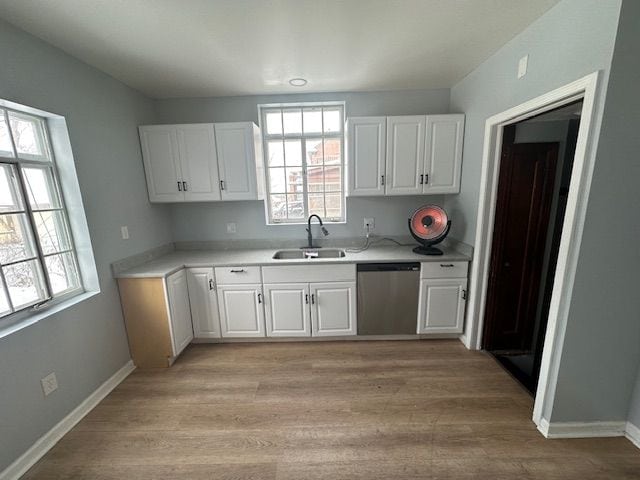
[[310, 235]]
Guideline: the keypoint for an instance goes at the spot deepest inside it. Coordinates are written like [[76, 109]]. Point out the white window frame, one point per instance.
[[263, 109], [45, 161]]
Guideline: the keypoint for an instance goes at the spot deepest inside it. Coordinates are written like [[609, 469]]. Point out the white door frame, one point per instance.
[[585, 89]]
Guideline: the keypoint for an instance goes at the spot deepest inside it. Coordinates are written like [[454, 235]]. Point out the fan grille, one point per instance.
[[429, 222]]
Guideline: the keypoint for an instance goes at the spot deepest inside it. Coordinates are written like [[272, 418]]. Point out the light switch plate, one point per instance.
[[231, 227], [49, 384], [522, 66], [124, 231]]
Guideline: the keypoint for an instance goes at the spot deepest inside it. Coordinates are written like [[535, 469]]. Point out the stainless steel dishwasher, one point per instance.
[[388, 298]]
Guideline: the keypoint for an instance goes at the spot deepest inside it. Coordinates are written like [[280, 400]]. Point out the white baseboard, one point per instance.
[[581, 429], [633, 434], [49, 439]]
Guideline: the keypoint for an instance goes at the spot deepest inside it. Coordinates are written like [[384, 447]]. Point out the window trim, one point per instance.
[[262, 111], [47, 162]]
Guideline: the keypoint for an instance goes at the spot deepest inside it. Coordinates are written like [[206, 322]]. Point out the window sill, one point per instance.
[[304, 222], [13, 326]]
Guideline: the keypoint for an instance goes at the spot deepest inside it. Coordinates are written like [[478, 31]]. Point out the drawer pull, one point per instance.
[[259, 298], [464, 294], [241, 270], [306, 299], [447, 265]]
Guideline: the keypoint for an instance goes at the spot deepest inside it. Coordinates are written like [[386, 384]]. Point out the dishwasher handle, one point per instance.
[[389, 267]]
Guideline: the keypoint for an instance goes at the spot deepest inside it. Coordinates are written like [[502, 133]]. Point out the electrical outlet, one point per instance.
[[49, 384], [522, 66], [231, 227], [124, 231], [370, 223]]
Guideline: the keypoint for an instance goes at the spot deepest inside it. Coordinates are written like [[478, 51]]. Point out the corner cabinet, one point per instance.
[[202, 162], [404, 155]]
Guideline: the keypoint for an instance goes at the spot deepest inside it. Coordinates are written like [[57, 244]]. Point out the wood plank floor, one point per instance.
[[326, 410]]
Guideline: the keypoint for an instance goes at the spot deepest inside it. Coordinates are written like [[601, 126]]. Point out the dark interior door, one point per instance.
[[525, 190]]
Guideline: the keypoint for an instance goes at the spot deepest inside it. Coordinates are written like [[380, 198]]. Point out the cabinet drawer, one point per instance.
[[444, 270], [238, 275]]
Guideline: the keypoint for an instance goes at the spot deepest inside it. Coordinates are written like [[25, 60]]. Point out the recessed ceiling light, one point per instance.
[[297, 82]]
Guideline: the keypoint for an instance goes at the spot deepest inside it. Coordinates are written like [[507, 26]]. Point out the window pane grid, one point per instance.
[[316, 176], [37, 255]]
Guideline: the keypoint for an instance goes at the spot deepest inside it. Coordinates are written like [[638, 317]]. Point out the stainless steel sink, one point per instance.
[[308, 254]]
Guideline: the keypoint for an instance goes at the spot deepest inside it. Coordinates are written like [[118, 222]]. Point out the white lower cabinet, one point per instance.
[[333, 308], [204, 302], [441, 305], [310, 309], [179, 311], [241, 310], [287, 312]]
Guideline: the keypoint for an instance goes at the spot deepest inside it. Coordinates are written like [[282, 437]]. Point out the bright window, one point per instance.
[[304, 161], [37, 257]]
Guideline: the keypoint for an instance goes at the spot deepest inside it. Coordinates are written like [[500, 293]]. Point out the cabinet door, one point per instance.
[[241, 310], [180, 313], [441, 305], [236, 161], [204, 303], [287, 312], [333, 308], [198, 162], [161, 163], [443, 153], [366, 150], [405, 155]]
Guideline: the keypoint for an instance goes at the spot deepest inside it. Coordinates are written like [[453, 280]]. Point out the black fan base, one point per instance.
[[424, 250]]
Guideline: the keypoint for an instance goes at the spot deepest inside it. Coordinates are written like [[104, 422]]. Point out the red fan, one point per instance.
[[429, 225]]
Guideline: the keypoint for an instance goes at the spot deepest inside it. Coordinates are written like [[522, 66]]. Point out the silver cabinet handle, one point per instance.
[[211, 284], [259, 298], [426, 179], [464, 294], [306, 299], [447, 265], [237, 271], [382, 180], [179, 186], [313, 299], [184, 186], [221, 184]]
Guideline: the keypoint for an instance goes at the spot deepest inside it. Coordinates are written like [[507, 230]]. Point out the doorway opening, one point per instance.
[[533, 184]]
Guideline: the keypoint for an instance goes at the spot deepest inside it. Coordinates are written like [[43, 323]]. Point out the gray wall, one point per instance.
[[601, 351], [571, 40], [86, 343], [208, 221], [634, 408]]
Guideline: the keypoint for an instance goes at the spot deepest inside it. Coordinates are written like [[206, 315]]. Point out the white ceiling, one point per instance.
[[185, 48]]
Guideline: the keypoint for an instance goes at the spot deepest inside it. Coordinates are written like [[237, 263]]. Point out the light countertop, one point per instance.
[[174, 261]]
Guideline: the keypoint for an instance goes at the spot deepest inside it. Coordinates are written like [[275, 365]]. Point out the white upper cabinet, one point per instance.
[[239, 160], [405, 155], [198, 162], [366, 151], [203, 300], [161, 163], [179, 310], [202, 162], [443, 153]]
